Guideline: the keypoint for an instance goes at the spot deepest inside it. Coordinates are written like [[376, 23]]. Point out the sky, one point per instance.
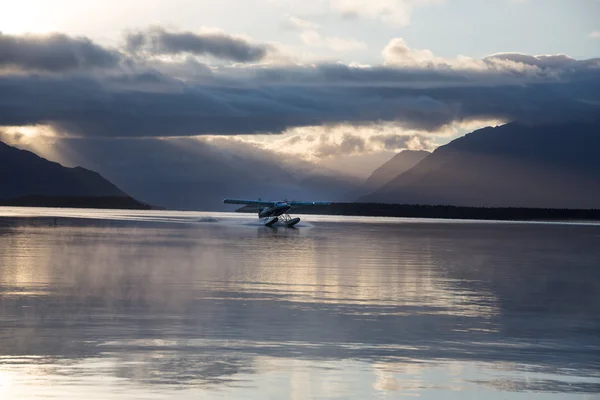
[[341, 85], [352, 29]]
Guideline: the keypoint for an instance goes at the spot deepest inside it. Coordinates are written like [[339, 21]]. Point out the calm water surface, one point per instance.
[[123, 305]]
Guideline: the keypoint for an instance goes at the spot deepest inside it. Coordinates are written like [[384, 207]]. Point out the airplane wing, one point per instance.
[[309, 203], [258, 203]]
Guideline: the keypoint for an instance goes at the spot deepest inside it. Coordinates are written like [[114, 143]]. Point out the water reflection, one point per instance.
[[336, 309]]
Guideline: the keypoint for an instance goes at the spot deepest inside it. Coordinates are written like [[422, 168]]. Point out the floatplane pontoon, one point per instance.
[[271, 212]]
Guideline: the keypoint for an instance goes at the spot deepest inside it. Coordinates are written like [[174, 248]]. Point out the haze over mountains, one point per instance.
[[395, 166], [188, 174], [514, 165]]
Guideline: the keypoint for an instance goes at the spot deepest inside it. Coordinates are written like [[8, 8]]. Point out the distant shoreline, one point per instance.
[[341, 209], [107, 202], [451, 212]]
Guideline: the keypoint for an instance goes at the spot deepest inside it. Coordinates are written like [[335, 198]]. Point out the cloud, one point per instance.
[[187, 69], [396, 13], [337, 44], [89, 107], [393, 12], [595, 34], [398, 53], [540, 61], [397, 141], [54, 52], [294, 22], [182, 97], [348, 144], [315, 143], [311, 36], [158, 41]]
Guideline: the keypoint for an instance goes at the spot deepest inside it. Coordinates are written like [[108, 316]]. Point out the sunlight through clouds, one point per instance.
[[335, 145], [30, 133], [37, 138]]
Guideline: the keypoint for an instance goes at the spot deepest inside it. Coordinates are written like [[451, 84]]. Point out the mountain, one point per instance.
[[396, 165], [190, 174], [26, 178], [513, 165]]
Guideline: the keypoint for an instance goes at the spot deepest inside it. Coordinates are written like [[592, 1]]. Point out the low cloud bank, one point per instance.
[[161, 84]]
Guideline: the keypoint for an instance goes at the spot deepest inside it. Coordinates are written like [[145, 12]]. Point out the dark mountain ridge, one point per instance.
[[27, 179], [513, 165]]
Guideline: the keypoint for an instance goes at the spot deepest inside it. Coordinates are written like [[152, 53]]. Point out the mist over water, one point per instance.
[[126, 304]]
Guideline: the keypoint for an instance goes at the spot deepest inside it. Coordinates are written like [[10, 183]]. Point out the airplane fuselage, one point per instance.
[[274, 211]]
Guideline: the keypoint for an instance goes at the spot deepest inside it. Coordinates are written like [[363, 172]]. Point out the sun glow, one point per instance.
[[27, 16], [37, 138], [26, 133]]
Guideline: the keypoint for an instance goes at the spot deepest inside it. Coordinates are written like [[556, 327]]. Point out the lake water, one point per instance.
[[183, 305]]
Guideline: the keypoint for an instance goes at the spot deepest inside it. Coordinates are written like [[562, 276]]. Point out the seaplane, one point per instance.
[[273, 212]]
